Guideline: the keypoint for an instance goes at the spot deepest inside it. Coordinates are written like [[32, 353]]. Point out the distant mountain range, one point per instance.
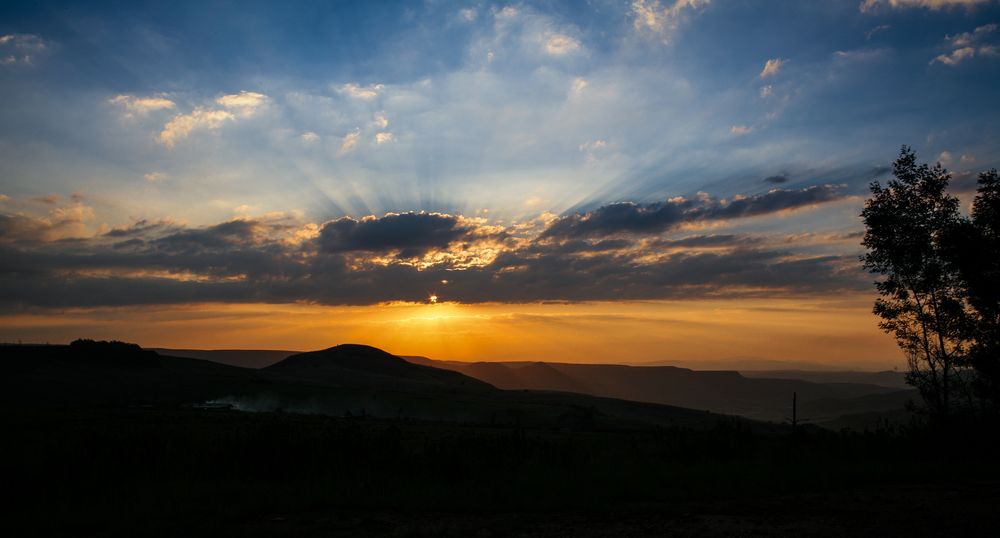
[[824, 397], [346, 380]]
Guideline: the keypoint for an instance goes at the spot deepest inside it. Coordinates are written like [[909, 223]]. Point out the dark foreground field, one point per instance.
[[110, 440], [179, 472]]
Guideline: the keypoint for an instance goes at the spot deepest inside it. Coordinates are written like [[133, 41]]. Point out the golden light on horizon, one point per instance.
[[834, 331]]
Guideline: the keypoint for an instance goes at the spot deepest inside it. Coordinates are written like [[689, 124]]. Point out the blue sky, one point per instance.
[[481, 111], [358, 152]]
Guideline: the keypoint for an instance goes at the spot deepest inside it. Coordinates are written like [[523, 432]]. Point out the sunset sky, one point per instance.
[[603, 181]]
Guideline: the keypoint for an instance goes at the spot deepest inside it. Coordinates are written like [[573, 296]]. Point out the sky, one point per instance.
[[603, 181]]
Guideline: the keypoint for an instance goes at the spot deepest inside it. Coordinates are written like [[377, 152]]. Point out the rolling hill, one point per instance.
[[347, 380], [728, 392]]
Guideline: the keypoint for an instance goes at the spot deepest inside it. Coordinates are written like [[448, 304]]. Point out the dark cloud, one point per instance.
[[411, 233], [257, 261], [776, 180], [223, 235], [706, 241], [632, 218], [141, 227]]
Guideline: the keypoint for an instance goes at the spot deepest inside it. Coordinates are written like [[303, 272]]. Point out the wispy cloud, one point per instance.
[[234, 106], [662, 19], [349, 143], [967, 45], [771, 67], [133, 105], [20, 48], [561, 45], [868, 6], [365, 93]]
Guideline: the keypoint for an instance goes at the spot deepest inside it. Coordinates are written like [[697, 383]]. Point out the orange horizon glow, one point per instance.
[[830, 331]]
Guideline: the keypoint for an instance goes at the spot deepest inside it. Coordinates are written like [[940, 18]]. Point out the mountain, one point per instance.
[[726, 392]]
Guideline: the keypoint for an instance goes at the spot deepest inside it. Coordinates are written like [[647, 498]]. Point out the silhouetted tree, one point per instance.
[[922, 294], [973, 246]]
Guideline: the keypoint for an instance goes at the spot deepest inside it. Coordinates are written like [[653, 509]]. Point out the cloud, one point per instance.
[[411, 233], [740, 130], [467, 14], [956, 56], [349, 143], [766, 91], [365, 93], [965, 46], [141, 105], [662, 19], [182, 125], [776, 180], [868, 6], [771, 67], [58, 223], [20, 48], [154, 177], [309, 137], [234, 106], [251, 260], [244, 103], [876, 30], [561, 45], [628, 217], [382, 138]]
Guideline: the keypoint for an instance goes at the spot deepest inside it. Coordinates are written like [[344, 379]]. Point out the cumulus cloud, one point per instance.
[[365, 93], [561, 45], [234, 106], [868, 6], [771, 68], [740, 130], [182, 125], [382, 138], [662, 19]]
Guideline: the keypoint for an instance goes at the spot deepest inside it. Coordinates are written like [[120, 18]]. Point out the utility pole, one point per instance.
[[795, 412]]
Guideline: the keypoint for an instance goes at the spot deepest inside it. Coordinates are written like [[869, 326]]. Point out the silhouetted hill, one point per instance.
[[244, 358], [347, 380], [354, 365], [718, 391], [889, 378]]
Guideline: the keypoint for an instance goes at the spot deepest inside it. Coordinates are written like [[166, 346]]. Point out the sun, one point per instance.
[[433, 299]]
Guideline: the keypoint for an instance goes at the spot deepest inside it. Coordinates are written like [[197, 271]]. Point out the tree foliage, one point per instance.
[[923, 299]]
